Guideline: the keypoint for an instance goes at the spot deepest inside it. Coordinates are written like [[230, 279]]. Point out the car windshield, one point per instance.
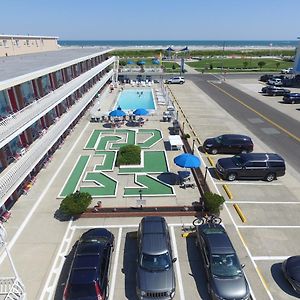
[[225, 265], [238, 160], [81, 291], [156, 262], [219, 139]]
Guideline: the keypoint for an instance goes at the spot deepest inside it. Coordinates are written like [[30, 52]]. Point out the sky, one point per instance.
[[153, 19]]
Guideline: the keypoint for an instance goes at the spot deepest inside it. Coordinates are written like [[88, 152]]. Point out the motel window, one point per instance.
[[18, 43], [5, 43], [27, 43]]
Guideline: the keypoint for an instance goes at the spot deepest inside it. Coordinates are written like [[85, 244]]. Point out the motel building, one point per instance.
[[42, 97]]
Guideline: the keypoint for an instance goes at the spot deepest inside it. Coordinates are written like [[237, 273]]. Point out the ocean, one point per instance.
[[183, 43]]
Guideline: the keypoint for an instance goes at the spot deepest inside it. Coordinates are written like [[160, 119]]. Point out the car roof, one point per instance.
[[236, 136], [217, 239], [260, 156], [293, 267], [101, 233], [154, 235]]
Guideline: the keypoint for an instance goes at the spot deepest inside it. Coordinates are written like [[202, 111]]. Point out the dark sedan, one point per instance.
[[89, 272], [291, 271], [292, 98], [274, 91], [228, 143]]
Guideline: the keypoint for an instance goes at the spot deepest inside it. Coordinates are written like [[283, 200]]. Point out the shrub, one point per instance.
[[213, 202], [75, 204], [129, 155]]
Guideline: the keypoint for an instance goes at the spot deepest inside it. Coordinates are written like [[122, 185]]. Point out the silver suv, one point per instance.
[[178, 79], [155, 273]]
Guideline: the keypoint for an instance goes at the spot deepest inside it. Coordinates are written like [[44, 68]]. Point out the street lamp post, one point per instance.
[[223, 73]]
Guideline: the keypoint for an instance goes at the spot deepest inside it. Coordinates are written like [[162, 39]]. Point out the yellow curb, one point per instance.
[[186, 234], [210, 160], [229, 194], [240, 213]]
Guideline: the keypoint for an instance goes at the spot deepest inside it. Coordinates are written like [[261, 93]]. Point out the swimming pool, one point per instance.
[[137, 98]]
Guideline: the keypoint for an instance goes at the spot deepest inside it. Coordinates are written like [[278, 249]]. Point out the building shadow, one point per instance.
[[197, 267], [63, 277], [130, 265], [281, 281]]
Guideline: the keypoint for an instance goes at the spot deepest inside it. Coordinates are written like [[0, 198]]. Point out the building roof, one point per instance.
[[17, 36], [20, 65]]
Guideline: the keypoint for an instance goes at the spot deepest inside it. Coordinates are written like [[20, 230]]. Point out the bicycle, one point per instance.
[[207, 219]]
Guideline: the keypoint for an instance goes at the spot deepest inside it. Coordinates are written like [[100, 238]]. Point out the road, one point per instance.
[[276, 129]]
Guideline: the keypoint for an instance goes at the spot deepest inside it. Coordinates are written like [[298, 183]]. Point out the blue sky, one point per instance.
[[153, 19]]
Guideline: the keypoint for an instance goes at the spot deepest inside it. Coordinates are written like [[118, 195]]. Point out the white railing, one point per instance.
[[18, 122], [15, 173], [11, 288]]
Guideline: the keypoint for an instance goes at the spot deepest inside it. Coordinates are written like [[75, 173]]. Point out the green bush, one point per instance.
[[129, 155], [213, 202], [75, 204]]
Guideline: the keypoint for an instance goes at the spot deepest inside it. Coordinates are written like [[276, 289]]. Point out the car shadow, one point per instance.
[[130, 265], [281, 281], [197, 267], [63, 277]]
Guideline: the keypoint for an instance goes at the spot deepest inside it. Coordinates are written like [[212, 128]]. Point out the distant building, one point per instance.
[[24, 44], [42, 97]]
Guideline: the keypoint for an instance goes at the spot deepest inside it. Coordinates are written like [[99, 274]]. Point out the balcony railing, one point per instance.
[[16, 173], [15, 124]]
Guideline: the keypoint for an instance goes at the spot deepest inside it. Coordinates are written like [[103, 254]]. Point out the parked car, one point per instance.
[[291, 98], [89, 273], [267, 166], [178, 79], [291, 271], [272, 90], [228, 143], [275, 81], [155, 273], [266, 77], [287, 71], [226, 279]]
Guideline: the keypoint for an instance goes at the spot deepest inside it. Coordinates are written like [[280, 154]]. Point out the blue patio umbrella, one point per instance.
[[155, 62], [185, 49], [130, 62], [187, 160], [141, 62], [141, 112], [117, 113]]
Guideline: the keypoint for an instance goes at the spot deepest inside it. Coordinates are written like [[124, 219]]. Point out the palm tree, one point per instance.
[[245, 63], [277, 65], [261, 64]]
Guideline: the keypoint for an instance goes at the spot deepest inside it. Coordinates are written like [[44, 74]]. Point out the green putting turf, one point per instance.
[[75, 176], [153, 187], [106, 185], [154, 162], [109, 160], [104, 140], [155, 136], [130, 139], [91, 144]]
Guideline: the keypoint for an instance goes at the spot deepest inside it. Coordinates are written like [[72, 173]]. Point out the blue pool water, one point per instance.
[[133, 99]]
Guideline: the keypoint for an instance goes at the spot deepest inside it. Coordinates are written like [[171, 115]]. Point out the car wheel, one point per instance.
[[214, 151], [270, 177], [244, 151], [231, 176], [181, 82], [293, 102]]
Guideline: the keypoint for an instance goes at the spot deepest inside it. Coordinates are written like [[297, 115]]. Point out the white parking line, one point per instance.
[[262, 202], [247, 183], [270, 257], [114, 273], [42, 196], [57, 265], [177, 266], [269, 226]]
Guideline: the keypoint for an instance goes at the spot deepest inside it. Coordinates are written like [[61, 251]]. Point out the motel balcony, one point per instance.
[[16, 123], [17, 172]]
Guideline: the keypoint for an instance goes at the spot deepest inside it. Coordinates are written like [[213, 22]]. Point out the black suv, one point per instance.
[[155, 273], [267, 166], [89, 273], [228, 143], [271, 90], [226, 279]]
